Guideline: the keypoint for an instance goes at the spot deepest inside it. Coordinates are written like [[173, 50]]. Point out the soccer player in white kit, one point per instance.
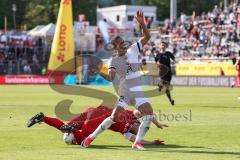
[[126, 65]]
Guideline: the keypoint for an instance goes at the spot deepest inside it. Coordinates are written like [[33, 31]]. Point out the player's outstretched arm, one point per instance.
[[110, 76], [154, 120], [146, 142], [141, 20], [158, 124]]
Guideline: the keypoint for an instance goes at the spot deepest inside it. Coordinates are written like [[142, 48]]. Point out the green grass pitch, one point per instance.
[[213, 133]]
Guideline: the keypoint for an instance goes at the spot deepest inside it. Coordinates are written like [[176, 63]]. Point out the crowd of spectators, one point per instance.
[[21, 54], [214, 34]]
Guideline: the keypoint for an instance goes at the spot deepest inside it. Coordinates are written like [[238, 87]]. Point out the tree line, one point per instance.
[[30, 13]]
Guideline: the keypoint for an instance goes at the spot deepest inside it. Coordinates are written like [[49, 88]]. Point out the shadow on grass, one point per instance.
[[149, 147], [164, 148], [173, 146], [202, 152], [102, 147], [169, 147]]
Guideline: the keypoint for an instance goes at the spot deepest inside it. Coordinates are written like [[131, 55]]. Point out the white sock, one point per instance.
[[102, 127], [144, 127]]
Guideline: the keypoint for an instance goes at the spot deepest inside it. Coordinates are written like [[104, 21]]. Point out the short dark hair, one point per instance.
[[165, 43]]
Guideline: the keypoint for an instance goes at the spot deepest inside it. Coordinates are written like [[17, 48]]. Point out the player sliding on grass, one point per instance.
[[126, 65], [77, 129]]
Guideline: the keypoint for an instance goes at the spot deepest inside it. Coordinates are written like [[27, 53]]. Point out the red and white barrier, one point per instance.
[[31, 80]]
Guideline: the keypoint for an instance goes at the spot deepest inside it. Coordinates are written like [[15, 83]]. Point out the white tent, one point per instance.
[[43, 31], [48, 30], [35, 30]]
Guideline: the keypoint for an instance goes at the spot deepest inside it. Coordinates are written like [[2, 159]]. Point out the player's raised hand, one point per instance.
[[140, 18]]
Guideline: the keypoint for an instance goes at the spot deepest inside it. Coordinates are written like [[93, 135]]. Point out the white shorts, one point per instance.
[[132, 96]]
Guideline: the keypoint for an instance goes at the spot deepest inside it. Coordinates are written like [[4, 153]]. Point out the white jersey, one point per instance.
[[127, 67]]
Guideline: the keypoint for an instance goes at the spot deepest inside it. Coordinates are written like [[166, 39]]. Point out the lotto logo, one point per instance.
[[67, 2]]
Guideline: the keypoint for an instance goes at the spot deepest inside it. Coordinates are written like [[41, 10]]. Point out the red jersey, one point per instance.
[[90, 113], [91, 118], [127, 120]]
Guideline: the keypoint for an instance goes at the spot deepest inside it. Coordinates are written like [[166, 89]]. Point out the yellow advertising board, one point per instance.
[[206, 69], [187, 69]]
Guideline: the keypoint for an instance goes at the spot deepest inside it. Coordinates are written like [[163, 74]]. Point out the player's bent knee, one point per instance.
[[147, 118]]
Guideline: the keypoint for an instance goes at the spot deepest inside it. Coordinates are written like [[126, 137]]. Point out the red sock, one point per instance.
[[54, 122]]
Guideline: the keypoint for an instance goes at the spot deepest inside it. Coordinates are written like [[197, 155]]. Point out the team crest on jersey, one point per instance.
[[121, 99]]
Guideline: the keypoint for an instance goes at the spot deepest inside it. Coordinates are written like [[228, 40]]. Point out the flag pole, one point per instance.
[[5, 23]]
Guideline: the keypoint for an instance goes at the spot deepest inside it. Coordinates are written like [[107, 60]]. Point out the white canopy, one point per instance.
[[34, 31], [43, 31], [48, 30]]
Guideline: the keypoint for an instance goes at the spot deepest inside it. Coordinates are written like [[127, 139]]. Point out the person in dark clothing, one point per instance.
[[163, 60]]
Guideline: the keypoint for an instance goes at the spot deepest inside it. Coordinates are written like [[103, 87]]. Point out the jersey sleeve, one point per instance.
[[111, 65], [136, 48], [133, 52], [139, 45], [79, 120], [157, 58], [171, 56]]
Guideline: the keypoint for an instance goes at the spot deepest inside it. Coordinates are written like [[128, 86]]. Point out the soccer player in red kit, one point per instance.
[[77, 129]]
